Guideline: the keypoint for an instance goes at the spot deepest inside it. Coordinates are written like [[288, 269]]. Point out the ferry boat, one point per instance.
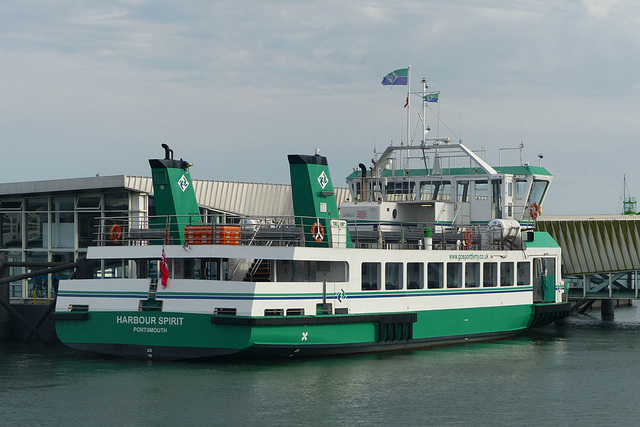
[[430, 253]]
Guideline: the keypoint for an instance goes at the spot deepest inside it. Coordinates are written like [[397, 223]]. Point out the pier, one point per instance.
[[600, 257]]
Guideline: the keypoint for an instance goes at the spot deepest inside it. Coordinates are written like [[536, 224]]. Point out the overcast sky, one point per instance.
[[91, 87]]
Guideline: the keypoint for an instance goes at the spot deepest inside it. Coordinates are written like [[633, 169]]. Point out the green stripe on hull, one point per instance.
[[471, 321], [184, 331]]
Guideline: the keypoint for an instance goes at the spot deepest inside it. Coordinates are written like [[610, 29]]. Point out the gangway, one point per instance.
[[600, 255]]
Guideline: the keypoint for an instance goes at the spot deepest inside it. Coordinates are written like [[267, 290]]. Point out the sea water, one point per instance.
[[585, 371]]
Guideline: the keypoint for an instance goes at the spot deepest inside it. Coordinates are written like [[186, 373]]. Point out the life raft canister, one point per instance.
[[317, 231]]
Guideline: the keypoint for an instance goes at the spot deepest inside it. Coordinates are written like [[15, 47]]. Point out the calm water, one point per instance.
[[585, 372]]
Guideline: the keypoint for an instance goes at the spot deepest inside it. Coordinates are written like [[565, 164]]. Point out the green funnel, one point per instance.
[[314, 202], [175, 199]]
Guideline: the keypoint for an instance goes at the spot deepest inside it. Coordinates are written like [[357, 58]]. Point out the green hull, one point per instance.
[[183, 336]]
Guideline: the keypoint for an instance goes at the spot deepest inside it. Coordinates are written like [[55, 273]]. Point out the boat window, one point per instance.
[[427, 189], [393, 275], [141, 268], [454, 275], [435, 272], [370, 276], [399, 191], [524, 273], [472, 274], [496, 199], [375, 190], [210, 269], [415, 275], [521, 189], [188, 269], [506, 274], [115, 269], [489, 274], [443, 190], [537, 192], [463, 191], [311, 271], [481, 190]]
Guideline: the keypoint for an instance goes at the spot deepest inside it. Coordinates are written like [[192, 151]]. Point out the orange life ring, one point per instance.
[[115, 233], [468, 239], [317, 231], [534, 210]]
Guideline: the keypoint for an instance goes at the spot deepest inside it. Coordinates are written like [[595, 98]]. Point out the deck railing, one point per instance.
[[296, 231]]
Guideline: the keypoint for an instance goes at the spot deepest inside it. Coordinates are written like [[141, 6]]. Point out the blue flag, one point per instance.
[[432, 97], [397, 77]]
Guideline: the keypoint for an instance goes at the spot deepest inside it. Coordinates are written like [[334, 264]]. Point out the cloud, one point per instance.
[[231, 84]]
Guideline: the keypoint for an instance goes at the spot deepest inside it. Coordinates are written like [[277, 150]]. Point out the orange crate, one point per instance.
[[227, 235], [198, 234]]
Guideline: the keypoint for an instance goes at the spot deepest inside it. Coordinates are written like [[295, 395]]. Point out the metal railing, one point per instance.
[[296, 231]]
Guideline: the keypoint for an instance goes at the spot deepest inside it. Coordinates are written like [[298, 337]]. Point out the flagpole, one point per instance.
[[409, 106], [424, 112]]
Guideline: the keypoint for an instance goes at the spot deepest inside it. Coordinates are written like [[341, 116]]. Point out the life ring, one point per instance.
[[468, 239], [317, 231], [115, 233], [534, 210]]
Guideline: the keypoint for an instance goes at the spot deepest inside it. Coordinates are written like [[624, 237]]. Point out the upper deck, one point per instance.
[[291, 231], [449, 184]]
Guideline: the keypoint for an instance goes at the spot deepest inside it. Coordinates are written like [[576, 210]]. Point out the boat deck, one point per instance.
[[300, 231]]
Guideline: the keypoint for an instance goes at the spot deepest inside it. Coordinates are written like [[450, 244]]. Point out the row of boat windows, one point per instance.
[[453, 275], [374, 275], [442, 190]]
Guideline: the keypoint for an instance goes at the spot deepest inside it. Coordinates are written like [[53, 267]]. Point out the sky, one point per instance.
[[94, 87]]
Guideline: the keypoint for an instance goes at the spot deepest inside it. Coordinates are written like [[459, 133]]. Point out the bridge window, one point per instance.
[[400, 191], [443, 191], [426, 190], [521, 189], [415, 275], [524, 273], [489, 274], [435, 190], [463, 191], [506, 274], [393, 275], [371, 276], [481, 190], [537, 192], [435, 275], [472, 274], [454, 275]]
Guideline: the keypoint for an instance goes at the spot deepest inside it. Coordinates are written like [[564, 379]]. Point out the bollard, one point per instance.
[[427, 238]]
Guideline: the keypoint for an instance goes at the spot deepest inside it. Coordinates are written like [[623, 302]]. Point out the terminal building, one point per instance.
[[56, 220]]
